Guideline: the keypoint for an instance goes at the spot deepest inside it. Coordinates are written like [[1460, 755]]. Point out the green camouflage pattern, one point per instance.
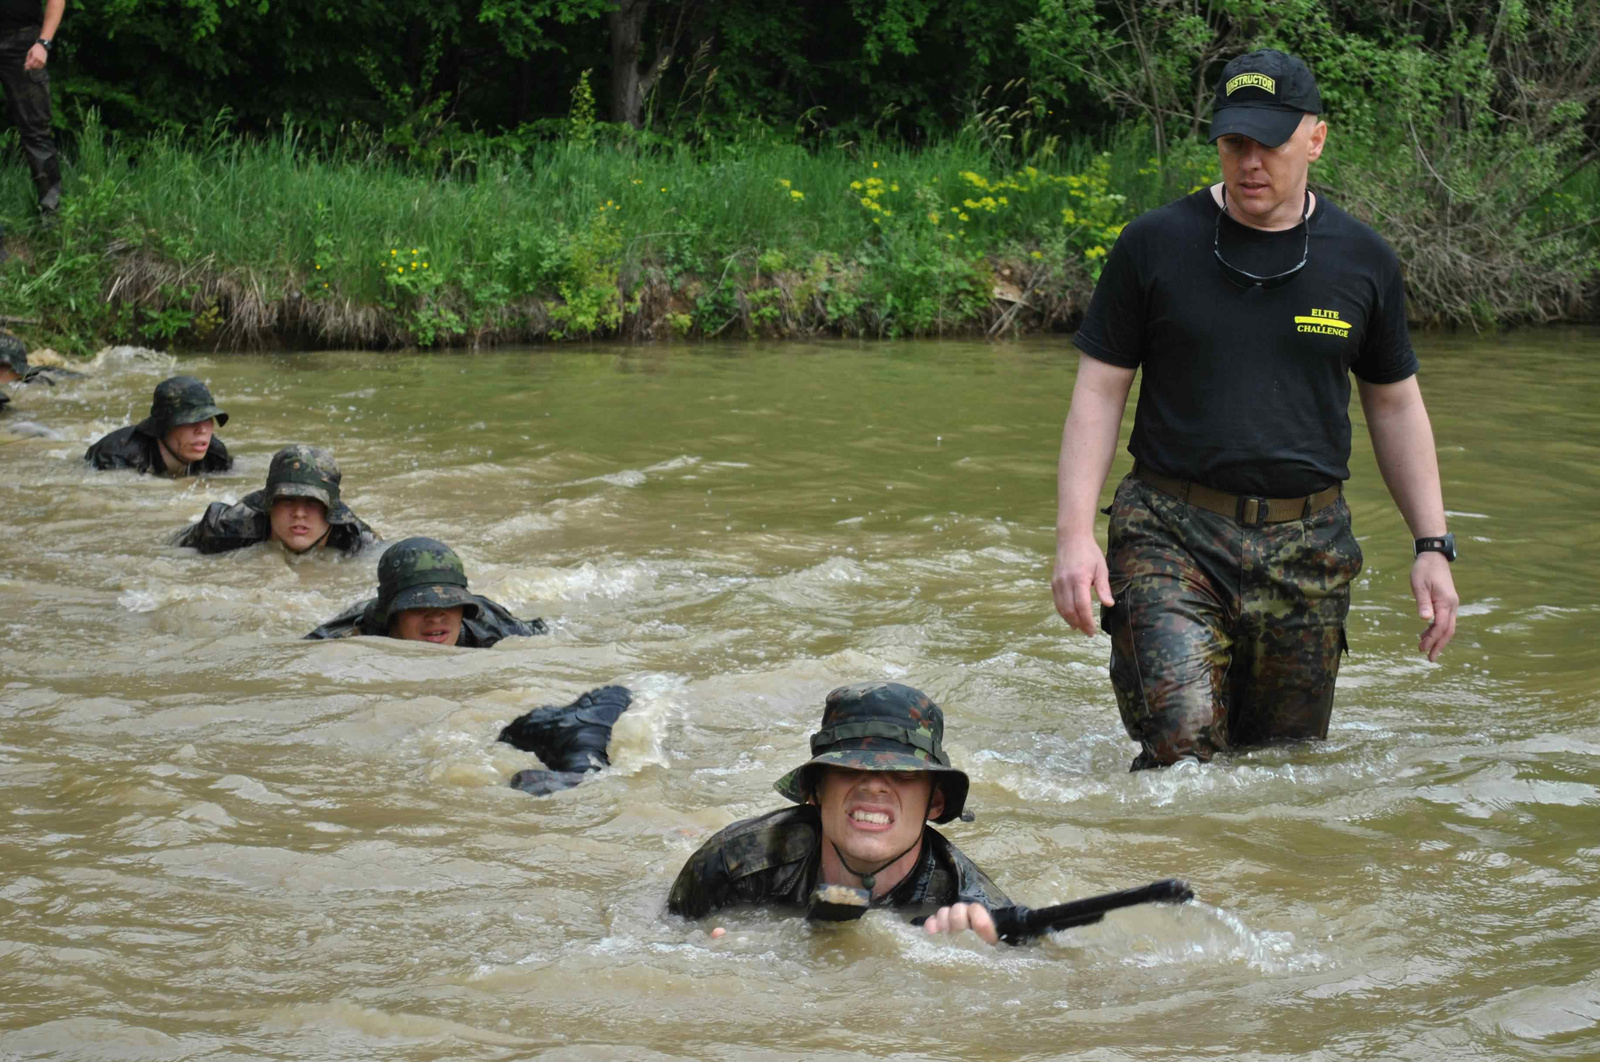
[[301, 471], [880, 726], [483, 623], [180, 400], [776, 859], [13, 354], [1223, 636]]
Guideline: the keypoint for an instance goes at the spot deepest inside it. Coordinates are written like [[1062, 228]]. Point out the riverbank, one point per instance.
[[221, 243]]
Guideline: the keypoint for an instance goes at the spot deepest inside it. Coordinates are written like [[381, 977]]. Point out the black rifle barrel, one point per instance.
[[1017, 924]]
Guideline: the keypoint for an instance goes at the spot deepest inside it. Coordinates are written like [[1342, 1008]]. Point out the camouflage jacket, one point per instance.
[[130, 448], [226, 527], [491, 624], [775, 859]]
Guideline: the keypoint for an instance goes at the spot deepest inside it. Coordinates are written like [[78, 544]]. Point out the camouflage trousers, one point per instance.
[[1223, 635]]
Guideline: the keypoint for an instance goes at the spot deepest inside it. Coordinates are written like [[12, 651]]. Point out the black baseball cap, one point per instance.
[[1262, 95]]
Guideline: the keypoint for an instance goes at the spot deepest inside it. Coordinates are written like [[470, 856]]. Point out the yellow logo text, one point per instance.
[[1322, 322], [1260, 81]]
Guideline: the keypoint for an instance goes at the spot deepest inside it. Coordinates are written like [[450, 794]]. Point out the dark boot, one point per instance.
[[570, 739]]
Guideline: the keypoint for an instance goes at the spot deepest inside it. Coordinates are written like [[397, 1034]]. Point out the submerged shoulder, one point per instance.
[[347, 624], [972, 884], [217, 458], [122, 448], [755, 844], [744, 862]]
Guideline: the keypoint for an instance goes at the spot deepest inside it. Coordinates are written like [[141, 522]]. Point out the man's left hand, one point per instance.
[[1435, 591], [960, 917], [36, 59]]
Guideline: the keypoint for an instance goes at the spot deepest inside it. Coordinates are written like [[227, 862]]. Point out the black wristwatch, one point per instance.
[[43, 42], [1445, 544]]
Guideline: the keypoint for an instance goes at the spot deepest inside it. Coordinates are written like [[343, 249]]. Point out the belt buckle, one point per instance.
[[1258, 517]]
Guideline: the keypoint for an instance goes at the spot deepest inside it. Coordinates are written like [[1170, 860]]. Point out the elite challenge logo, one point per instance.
[[1323, 322]]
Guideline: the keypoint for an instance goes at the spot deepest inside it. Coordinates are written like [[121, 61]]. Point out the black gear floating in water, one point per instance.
[[571, 740]]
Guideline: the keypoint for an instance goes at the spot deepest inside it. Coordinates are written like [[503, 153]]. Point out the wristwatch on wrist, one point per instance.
[[1445, 544], [43, 42]]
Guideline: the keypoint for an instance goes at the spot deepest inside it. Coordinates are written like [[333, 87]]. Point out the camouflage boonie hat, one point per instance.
[[13, 354], [421, 573], [880, 726], [304, 472], [180, 400]]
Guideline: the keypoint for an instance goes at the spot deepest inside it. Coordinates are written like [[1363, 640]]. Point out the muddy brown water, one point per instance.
[[219, 841]]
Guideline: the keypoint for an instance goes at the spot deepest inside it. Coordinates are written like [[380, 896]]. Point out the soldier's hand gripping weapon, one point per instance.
[[840, 903]]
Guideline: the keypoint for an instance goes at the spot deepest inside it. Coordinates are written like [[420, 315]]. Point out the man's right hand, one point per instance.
[[1080, 574]]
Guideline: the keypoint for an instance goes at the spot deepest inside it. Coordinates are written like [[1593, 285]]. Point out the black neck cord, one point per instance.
[[870, 878]]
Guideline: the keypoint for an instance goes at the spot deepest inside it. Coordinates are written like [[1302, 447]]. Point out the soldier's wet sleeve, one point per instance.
[[494, 622], [225, 527], [346, 624], [972, 885], [123, 448], [703, 884]]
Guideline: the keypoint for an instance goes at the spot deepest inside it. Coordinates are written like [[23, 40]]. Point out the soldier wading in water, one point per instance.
[[878, 774], [299, 508], [176, 439], [1226, 579], [14, 367], [423, 597]]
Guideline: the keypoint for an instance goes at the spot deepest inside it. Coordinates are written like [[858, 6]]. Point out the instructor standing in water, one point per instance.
[[1226, 579]]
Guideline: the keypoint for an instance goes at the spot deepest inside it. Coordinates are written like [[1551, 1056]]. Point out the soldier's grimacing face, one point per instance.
[[299, 523], [442, 626], [875, 815], [189, 442]]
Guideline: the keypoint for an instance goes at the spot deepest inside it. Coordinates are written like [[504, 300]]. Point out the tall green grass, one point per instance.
[[214, 239], [217, 241]]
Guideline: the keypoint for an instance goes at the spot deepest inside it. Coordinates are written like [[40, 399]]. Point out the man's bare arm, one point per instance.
[[37, 57], [1402, 439], [1088, 442]]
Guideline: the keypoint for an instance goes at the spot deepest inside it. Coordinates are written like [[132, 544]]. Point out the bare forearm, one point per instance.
[[52, 18], [1402, 439], [1088, 442]]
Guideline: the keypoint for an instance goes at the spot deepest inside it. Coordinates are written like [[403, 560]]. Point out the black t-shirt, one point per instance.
[[1245, 389], [15, 14]]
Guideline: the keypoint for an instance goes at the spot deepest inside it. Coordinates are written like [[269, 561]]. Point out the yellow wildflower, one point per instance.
[[1036, 254], [424, 265], [855, 185], [894, 187], [783, 182], [393, 251], [796, 194], [963, 217], [874, 165]]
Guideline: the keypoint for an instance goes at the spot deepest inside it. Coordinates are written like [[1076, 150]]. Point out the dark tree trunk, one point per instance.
[[630, 81]]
